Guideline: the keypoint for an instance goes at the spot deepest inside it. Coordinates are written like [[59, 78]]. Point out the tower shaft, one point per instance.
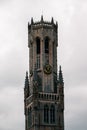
[[44, 106]]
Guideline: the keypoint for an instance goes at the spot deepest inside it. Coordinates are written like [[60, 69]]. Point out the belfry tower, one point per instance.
[[44, 89]]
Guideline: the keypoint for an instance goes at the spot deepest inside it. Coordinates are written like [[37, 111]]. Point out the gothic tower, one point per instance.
[[43, 91]]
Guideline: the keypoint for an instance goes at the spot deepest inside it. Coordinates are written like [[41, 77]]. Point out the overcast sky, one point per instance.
[[72, 56]]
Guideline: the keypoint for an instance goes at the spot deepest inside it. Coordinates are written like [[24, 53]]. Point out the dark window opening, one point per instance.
[[59, 121], [46, 114], [46, 45], [38, 45], [52, 114]]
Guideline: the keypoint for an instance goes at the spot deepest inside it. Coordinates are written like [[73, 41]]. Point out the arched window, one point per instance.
[[46, 114], [38, 45], [47, 45], [52, 114]]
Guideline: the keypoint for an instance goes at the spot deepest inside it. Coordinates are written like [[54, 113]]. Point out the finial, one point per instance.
[[26, 73], [60, 67], [32, 21], [41, 18], [52, 20], [28, 24], [42, 12]]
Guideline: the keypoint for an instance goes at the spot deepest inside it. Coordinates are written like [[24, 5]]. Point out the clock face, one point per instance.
[[47, 69]]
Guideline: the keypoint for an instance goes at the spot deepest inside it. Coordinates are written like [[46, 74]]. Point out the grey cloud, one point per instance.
[[11, 109], [72, 51]]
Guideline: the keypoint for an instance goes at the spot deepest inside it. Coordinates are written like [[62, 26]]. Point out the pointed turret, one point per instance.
[[32, 21], [60, 76], [26, 88], [61, 89], [52, 20], [41, 18], [26, 91], [26, 80]]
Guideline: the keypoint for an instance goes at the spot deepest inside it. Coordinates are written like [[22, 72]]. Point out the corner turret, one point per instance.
[[60, 80], [60, 89], [26, 87]]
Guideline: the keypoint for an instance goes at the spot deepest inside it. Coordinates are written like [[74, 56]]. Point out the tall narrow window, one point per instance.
[[46, 50], [38, 45], [52, 114], [47, 45], [46, 114], [38, 51]]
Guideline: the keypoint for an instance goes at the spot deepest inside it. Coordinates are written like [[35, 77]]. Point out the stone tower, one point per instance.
[[44, 89]]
